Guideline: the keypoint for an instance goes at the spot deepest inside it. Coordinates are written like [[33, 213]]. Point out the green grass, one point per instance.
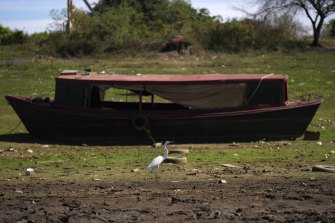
[[21, 73], [87, 162]]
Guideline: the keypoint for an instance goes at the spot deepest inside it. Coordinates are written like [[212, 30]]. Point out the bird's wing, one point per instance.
[[155, 162]]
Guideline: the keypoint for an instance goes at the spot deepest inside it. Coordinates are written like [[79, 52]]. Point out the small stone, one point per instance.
[[269, 217], [332, 152], [222, 181], [30, 151], [312, 179], [11, 149], [228, 165], [19, 191], [45, 146], [215, 214], [136, 170], [319, 143], [29, 171]]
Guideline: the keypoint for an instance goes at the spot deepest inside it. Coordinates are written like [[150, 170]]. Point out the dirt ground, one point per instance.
[[306, 197]]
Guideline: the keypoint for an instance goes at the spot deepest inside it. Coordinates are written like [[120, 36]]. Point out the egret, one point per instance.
[[159, 159]]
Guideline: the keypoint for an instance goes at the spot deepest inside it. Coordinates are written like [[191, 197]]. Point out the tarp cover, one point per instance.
[[201, 96]]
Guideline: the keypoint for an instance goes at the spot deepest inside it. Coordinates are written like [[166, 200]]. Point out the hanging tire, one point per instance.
[[140, 121]]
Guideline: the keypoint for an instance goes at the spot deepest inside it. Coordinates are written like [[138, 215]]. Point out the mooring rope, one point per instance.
[[149, 135], [259, 84], [18, 124]]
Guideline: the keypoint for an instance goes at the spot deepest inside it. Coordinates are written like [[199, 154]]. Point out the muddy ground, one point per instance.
[[306, 197]]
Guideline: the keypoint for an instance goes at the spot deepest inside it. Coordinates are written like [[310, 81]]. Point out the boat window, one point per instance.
[[120, 95], [125, 95], [198, 96]]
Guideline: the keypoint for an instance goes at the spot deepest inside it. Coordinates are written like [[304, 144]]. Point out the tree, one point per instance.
[[315, 10]]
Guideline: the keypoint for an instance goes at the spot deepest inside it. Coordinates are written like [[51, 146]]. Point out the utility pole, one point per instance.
[[69, 16]]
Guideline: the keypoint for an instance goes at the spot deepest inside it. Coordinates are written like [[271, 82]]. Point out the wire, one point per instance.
[[150, 136], [259, 84], [10, 132]]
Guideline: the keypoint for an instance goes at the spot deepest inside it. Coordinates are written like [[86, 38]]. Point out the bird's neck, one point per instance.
[[166, 152]]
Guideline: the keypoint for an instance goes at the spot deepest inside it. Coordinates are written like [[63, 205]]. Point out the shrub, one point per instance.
[[8, 37]]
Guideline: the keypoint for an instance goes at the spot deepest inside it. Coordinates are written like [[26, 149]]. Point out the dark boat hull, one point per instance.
[[183, 126]]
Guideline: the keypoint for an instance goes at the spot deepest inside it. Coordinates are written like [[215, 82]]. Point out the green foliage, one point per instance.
[[329, 30], [232, 36], [122, 28], [9, 37], [242, 35], [4, 30], [39, 38], [136, 26], [123, 25]]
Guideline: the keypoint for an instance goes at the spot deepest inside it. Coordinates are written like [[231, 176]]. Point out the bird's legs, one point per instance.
[[156, 174]]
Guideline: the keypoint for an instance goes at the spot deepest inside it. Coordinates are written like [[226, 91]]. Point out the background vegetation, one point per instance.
[[138, 26]]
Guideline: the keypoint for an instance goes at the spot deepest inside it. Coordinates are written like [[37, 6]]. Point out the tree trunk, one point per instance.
[[69, 16], [316, 33], [316, 39]]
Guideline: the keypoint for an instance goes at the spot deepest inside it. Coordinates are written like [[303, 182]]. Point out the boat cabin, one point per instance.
[[195, 91]]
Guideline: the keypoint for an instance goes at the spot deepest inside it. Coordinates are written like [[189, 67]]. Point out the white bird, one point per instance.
[[159, 159]]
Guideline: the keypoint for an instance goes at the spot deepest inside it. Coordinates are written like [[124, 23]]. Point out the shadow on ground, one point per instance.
[[28, 138]]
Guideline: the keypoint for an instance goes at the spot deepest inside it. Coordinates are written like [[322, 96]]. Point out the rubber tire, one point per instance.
[[140, 121]]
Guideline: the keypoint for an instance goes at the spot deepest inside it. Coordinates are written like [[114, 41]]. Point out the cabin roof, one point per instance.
[[168, 78]]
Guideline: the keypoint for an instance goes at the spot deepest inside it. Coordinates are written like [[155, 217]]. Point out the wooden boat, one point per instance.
[[207, 108]]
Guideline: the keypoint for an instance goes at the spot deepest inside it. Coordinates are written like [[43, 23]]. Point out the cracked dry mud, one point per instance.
[[241, 198]]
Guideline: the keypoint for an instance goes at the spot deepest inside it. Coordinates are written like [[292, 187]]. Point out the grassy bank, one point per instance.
[[85, 162], [21, 73]]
